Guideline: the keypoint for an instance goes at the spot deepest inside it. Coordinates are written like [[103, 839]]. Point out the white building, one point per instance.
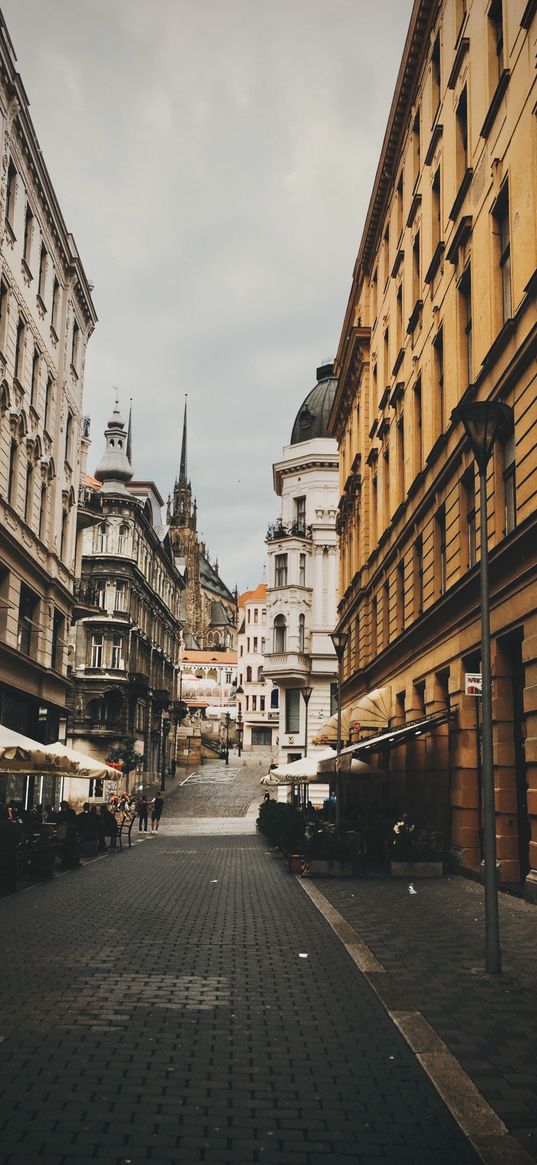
[[257, 699], [302, 572]]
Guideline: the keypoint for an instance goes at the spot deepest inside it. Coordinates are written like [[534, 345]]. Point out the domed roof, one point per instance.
[[312, 417], [114, 468]]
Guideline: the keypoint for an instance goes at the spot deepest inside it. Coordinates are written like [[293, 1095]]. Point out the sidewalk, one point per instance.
[[432, 945]]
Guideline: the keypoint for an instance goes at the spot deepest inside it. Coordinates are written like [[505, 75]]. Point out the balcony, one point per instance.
[[287, 666], [86, 599], [89, 507], [279, 530]]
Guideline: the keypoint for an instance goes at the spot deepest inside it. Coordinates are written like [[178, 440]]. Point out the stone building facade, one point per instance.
[[127, 633], [210, 607], [257, 699], [46, 319], [302, 572], [442, 309]]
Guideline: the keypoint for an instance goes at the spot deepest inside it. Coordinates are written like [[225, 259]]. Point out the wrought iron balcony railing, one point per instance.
[[278, 530]]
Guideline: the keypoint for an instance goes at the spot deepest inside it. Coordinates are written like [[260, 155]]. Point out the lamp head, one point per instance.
[[306, 693], [340, 640], [483, 422]]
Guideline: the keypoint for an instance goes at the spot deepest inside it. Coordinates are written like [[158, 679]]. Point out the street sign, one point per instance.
[[473, 684]]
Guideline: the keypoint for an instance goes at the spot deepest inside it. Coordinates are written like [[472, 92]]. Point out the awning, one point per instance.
[[370, 711], [20, 754], [396, 736], [305, 769], [82, 765], [346, 763]]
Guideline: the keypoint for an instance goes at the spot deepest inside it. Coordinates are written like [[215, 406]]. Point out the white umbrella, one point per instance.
[[82, 764], [299, 771], [20, 754]]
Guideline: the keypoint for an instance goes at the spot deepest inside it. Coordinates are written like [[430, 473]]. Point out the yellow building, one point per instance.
[[442, 308]]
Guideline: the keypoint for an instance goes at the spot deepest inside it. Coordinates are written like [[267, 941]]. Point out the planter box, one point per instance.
[[327, 869], [417, 869]]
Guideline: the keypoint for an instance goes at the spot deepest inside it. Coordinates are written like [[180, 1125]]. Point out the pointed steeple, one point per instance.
[[129, 434], [182, 471], [114, 469]]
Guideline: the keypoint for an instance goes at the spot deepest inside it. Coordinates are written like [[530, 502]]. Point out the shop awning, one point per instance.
[[305, 769], [20, 754], [390, 739], [82, 765], [370, 711]]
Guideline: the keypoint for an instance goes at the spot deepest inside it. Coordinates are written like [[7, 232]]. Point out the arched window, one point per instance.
[[248, 675], [280, 633], [301, 633], [12, 473], [275, 698], [122, 538], [101, 538]]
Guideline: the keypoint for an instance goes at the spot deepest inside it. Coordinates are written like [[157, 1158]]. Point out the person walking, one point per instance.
[[142, 810], [156, 812]]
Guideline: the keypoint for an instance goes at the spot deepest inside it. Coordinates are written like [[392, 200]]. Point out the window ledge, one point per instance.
[[435, 262], [414, 317], [10, 232], [436, 136], [398, 361], [74, 371], [461, 194], [462, 49], [41, 306], [460, 237], [495, 103], [398, 260], [528, 14], [414, 205], [53, 334], [26, 270]]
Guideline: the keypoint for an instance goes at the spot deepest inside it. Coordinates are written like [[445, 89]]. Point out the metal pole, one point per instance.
[[492, 932], [227, 738], [338, 743]]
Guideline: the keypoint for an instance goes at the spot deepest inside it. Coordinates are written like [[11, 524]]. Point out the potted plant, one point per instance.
[[415, 852]]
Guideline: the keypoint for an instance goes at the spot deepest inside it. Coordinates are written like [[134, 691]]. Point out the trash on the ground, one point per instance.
[[411, 889], [214, 881], [302, 955]]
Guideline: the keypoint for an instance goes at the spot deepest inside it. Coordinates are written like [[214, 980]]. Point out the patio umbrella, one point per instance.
[[299, 771], [20, 754], [82, 764]]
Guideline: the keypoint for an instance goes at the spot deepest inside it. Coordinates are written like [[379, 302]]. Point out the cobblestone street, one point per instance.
[[185, 1002]]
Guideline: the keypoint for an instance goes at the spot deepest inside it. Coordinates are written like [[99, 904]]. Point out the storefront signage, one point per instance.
[[473, 684]]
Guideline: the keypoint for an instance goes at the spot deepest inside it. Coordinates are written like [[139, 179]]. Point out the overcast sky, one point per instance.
[[214, 160]]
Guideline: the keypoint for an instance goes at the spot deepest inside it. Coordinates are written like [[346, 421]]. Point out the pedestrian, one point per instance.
[[142, 809], [156, 812]]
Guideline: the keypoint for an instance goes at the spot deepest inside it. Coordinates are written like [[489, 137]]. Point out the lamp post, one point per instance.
[[483, 421], [165, 730], [239, 730], [227, 737], [340, 640], [306, 696]]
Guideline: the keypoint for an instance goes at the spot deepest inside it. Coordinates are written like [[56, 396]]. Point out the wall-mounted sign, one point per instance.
[[473, 684]]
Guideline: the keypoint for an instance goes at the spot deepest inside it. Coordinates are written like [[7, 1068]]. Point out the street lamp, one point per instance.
[[340, 640], [227, 737], [483, 421], [239, 730], [165, 730], [306, 696]]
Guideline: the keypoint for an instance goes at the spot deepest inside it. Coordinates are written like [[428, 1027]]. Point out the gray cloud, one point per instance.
[[214, 160]]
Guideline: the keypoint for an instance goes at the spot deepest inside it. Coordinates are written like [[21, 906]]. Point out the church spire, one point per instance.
[[129, 434], [182, 471]]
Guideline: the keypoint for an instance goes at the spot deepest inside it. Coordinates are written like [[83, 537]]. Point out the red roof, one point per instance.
[[257, 596]]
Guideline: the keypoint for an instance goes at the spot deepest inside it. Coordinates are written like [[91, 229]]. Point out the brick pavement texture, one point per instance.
[[432, 943], [155, 1009]]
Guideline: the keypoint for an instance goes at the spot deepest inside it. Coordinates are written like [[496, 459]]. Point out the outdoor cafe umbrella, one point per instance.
[[20, 754], [82, 764], [302, 771]]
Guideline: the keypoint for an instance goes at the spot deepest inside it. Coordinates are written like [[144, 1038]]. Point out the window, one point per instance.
[[386, 614], [386, 254], [386, 486], [97, 649], [58, 624], [496, 45], [374, 295], [255, 644], [374, 622], [440, 551], [300, 514], [386, 356], [436, 77], [400, 595], [28, 611], [465, 326], [418, 427], [117, 651], [123, 535], [100, 594], [503, 249], [468, 520], [438, 381], [261, 703], [43, 506], [19, 349], [416, 269], [256, 614], [48, 402], [280, 578], [400, 446], [399, 205], [509, 481], [121, 596], [35, 378], [12, 473], [301, 633], [28, 232], [280, 634], [65, 534], [68, 436], [416, 147], [275, 698], [75, 346], [42, 272], [399, 318], [292, 710], [302, 570], [248, 615], [11, 194], [29, 496], [247, 703], [55, 304], [248, 675], [374, 510], [417, 570], [3, 315], [436, 210], [102, 538], [461, 158]]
